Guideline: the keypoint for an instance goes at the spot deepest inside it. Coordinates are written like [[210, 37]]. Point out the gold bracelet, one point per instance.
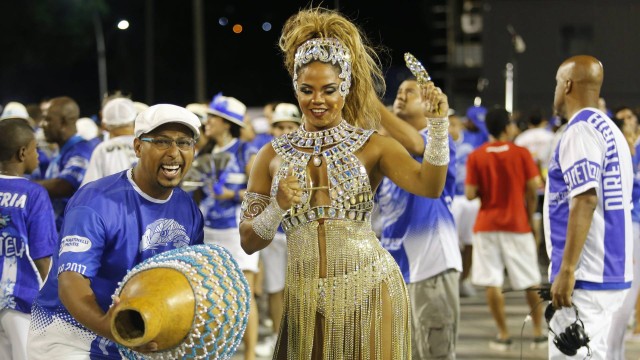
[[266, 224]]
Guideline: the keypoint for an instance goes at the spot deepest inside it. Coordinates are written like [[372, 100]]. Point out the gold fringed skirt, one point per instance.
[[350, 298]]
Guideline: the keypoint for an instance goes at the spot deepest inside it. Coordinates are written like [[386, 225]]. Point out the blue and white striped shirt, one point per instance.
[[592, 154]]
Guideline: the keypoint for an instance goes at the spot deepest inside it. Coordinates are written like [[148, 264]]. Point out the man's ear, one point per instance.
[[21, 154], [137, 144], [568, 85]]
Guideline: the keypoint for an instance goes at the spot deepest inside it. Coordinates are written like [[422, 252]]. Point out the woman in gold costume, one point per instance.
[[345, 297]]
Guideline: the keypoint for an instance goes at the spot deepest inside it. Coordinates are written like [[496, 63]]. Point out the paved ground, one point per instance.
[[477, 329]]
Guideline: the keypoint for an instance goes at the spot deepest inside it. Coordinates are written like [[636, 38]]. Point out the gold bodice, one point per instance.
[[350, 192]]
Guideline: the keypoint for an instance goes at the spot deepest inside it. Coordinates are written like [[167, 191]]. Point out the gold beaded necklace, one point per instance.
[[316, 140]]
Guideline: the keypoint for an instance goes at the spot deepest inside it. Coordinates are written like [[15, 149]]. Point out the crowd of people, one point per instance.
[[363, 224]]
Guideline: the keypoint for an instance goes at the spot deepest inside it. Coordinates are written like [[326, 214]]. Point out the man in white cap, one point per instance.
[[200, 110], [117, 153], [111, 225], [286, 119]]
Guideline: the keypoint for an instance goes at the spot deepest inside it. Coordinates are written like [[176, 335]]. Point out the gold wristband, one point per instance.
[[266, 224], [437, 150]]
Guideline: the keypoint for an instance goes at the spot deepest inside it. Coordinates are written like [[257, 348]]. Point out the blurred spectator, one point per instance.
[[204, 144], [15, 110], [627, 121], [116, 153], [230, 162], [66, 171], [468, 135], [88, 130], [537, 138], [505, 178], [28, 235], [602, 106]]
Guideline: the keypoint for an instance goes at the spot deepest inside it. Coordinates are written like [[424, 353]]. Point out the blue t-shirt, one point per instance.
[[27, 233], [468, 141], [228, 170], [110, 226], [260, 140], [420, 232], [70, 165], [592, 154]]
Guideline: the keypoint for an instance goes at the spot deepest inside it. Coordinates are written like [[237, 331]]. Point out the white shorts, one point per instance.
[[465, 212], [14, 332], [230, 240], [59, 340], [595, 309], [274, 259], [495, 251]]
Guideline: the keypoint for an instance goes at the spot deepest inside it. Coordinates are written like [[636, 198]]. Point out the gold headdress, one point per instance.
[[359, 65], [326, 50]]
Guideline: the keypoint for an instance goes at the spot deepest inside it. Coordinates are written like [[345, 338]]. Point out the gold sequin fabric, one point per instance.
[[359, 270]]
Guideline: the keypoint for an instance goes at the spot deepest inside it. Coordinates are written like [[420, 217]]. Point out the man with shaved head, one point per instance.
[[587, 213], [66, 170]]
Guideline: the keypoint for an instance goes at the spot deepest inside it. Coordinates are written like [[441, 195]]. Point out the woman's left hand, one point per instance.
[[434, 102]]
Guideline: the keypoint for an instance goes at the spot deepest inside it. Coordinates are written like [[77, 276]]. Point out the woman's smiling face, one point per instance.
[[318, 95]]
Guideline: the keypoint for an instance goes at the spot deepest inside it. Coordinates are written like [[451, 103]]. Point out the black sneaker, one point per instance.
[[540, 342]]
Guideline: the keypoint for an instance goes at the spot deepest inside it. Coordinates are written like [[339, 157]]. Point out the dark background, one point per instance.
[[555, 30], [49, 47]]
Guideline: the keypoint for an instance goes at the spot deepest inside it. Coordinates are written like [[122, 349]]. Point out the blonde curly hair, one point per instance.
[[366, 75]]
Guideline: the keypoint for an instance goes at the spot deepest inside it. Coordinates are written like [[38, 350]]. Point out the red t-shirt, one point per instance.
[[501, 170]]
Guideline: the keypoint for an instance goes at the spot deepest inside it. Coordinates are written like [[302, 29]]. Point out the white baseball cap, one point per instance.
[[140, 106], [161, 114], [118, 111], [286, 112], [199, 109], [14, 110], [87, 128], [260, 125]]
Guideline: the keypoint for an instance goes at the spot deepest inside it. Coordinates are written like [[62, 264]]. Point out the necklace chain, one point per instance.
[[314, 139]]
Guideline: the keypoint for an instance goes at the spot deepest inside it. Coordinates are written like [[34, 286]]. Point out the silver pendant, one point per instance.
[[317, 161]]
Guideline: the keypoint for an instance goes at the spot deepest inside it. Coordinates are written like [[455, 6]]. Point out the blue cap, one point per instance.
[[477, 116]]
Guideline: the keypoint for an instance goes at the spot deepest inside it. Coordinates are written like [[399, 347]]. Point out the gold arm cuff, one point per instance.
[[252, 205]]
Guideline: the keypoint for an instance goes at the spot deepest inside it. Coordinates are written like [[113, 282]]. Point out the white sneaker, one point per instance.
[[631, 337], [500, 344], [467, 289], [267, 346]]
